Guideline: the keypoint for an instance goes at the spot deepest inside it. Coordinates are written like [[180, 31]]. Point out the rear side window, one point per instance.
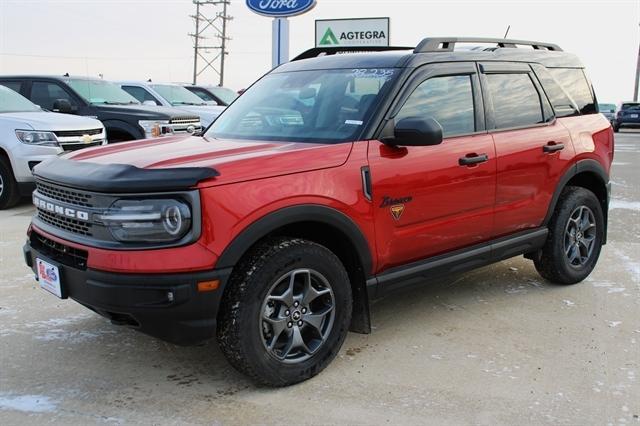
[[516, 102], [560, 101], [448, 99], [16, 86], [575, 84]]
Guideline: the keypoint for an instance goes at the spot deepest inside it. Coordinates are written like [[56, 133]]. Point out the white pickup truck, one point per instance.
[[29, 135], [172, 95]]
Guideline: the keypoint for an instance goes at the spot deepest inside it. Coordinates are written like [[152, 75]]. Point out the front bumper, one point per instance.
[[168, 307]]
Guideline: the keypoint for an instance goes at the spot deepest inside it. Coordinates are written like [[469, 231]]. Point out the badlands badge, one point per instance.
[[396, 211]]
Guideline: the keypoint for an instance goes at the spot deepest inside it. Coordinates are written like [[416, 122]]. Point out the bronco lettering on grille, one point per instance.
[[60, 210]]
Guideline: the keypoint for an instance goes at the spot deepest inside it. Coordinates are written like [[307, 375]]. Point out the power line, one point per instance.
[[215, 27]]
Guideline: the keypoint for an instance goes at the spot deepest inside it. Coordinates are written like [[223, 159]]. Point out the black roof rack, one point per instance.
[[323, 51], [447, 44]]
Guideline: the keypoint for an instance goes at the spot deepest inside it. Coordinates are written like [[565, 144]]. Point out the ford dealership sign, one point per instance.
[[280, 8]]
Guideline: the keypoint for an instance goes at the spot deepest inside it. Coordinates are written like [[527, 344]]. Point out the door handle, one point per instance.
[[552, 147], [471, 159]]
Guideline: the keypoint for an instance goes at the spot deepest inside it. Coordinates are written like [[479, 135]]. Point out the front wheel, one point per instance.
[[575, 238], [286, 311]]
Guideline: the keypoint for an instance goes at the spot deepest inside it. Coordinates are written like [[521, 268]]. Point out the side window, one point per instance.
[[516, 102], [16, 86], [140, 94], [575, 83], [203, 94], [560, 101], [45, 94], [448, 99]]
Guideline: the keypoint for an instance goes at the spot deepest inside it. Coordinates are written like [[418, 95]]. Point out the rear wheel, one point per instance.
[[9, 194], [575, 238], [616, 128], [286, 311]]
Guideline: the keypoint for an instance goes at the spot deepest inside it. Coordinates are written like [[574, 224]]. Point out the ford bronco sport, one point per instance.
[[334, 179]]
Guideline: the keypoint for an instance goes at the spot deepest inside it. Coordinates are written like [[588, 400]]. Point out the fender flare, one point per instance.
[[123, 126], [581, 166], [289, 215]]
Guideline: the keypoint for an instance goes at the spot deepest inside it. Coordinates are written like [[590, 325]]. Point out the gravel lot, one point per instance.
[[494, 346]]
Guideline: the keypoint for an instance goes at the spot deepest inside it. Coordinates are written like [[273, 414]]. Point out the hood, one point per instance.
[[234, 160], [51, 121], [207, 113], [145, 112]]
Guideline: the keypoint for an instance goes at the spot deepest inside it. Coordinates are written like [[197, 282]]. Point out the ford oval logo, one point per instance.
[[280, 8]]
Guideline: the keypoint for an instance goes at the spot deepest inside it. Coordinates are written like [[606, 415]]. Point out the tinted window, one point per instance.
[[606, 107], [576, 85], [16, 86], [562, 104], [202, 94], [448, 99], [516, 102], [45, 94], [630, 105], [140, 94]]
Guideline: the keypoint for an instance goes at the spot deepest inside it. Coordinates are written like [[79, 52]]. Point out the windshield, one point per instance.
[[11, 101], [226, 95], [606, 107], [327, 106], [101, 92], [177, 95]]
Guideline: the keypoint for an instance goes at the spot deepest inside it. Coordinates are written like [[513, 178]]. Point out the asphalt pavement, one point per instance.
[[496, 346]]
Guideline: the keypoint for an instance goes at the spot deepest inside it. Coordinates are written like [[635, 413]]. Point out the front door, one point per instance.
[[433, 199]]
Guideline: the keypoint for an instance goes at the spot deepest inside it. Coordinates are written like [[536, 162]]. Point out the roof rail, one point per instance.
[[447, 44], [323, 51]]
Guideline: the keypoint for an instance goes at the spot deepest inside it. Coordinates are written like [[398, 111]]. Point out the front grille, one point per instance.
[[77, 146], [60, 193], [69, 133], [71, 225], [66, 255], [184, 120]]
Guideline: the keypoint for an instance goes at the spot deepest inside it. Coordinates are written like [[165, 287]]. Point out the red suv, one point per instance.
[[333, 180]]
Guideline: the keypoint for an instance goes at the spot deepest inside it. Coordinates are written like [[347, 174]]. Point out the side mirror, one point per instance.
[[62, 105], [417, 131], [149, 103]]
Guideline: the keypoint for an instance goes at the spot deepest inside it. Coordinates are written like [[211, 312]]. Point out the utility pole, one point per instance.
[[208, 27], [635, 89]]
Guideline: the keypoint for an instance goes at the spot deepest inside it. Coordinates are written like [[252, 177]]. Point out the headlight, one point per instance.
[[155, 128], [33, 137], [155, 220]]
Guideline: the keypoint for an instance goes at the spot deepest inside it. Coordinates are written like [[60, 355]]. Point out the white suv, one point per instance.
[[172, 95], [29, 135]]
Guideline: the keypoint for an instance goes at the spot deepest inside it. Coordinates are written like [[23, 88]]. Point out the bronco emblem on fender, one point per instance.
[[396, 211]]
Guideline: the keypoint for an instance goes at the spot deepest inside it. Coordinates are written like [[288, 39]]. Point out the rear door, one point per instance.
[[533, 149], [426, 199]]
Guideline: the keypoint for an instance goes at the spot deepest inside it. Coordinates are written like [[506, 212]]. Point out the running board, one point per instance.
[[457, 261]]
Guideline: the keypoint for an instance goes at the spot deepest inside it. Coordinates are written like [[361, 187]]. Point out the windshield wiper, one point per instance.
[[108, 103], [186, 103]]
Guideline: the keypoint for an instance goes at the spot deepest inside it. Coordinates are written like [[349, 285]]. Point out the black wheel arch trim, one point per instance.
[[581, 166], [291, 215], [123, 126]]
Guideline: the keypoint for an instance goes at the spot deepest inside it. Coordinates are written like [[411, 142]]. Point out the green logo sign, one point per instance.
[[328, 38]]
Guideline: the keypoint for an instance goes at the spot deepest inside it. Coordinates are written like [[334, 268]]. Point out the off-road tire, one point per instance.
[[553, 263], [239, 331], [9, 194], [616, 128]]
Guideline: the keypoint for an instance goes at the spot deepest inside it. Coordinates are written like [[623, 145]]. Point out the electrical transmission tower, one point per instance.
[[211, 24]]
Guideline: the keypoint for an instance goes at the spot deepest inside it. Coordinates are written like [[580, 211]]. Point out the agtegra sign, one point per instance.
[[280, 8], [352, 32]]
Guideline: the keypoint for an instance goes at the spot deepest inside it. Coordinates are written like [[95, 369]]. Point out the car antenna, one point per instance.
[[66, 74], [506, 33], [149, 81]]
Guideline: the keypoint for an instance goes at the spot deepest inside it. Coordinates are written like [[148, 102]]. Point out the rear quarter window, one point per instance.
[[575, 83]]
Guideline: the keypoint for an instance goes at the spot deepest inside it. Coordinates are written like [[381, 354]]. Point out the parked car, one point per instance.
[[275, 228], [608, 110], [627, 115], [172, 95], [29, 135], [123, 116], [218, 95]]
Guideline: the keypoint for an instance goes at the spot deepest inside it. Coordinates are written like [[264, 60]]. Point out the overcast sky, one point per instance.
[[139, 39]]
